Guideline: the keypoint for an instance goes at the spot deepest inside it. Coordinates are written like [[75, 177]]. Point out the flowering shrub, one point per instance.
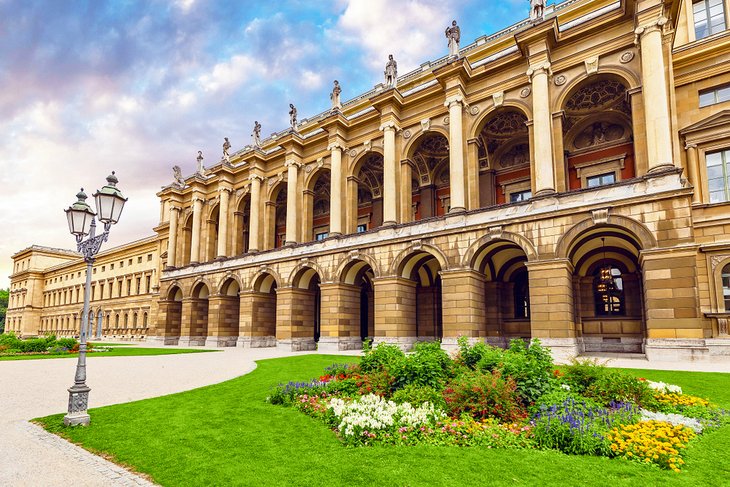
[[663, 387], [418, 395], [285, 393], [673, 419], [487, 433], [573, 427], [483, 396], [654, 442], [615, 385], [580, 374], [371, 416]]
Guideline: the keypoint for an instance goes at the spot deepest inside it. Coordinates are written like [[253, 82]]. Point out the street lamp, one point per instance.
[[82, 222]]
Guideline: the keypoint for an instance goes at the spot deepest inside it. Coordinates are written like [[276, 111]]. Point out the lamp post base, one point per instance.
[[78, 402]]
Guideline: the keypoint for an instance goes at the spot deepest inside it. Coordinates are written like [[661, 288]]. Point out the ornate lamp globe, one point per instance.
[[79, 216], [110, 201]]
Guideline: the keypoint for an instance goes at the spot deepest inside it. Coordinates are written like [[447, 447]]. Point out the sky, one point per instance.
[[87, 87]]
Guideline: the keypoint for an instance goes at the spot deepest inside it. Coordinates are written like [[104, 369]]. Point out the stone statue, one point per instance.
[[226, 146], [293, 117], [201, 169], [177, 174], [391, 72], [256, 134], [453, 34], [335, 96], [537, 10]]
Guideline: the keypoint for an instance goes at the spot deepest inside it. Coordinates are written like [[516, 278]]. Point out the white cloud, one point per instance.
[[229, 75]]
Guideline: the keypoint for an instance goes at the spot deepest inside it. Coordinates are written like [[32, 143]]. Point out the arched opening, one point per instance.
[[423, 269], [211, 245], [506, 290], [504, 158], [187, 239], [358, 273], [608, 290], [242, 219], [308, 300], [725, 276], [598, 134], [369, 202], [275, 233], [198, 325], [317, 202], [429, 162]]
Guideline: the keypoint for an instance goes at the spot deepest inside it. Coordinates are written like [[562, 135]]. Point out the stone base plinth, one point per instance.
[[221, 341], [499, 342], [405, 343], [676, 350], [191, 341], [256, 342], [162, 340], [562, 349], [338, 344], [296, 344], [451, 345], [611, 345]]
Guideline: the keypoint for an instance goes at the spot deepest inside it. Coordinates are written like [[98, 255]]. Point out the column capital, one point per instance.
[[255, 177], [175, 208], [291, 162], [225, 189], [388, 125], [336, 146], [653, 26], [196, 199], [453, 99], [534, 70], [689, 146]]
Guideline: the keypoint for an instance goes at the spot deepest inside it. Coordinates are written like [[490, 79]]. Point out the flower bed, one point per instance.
[[494, 398]]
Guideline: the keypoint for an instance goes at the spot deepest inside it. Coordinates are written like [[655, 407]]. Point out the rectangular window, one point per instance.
[[322, 236], [601, 180], [139, 284], [147, 287], [520, 196], [718, 170], [139, 260], [103, 268], [149, 257], [709, 17], [111, 267], [362, 228], [714, 96]]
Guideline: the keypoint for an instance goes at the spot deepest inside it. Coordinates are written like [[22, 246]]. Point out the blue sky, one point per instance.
[[87, 87]]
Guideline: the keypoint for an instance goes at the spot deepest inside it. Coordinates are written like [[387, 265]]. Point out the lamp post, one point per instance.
[[82, 222]]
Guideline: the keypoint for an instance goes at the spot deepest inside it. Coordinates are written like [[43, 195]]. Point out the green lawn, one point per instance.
[[226, 434], [114, 352]]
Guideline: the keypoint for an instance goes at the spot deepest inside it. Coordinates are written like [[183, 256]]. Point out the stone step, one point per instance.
[[618, 355]]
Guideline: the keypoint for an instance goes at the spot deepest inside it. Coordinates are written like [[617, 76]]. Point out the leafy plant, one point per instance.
[[615, 385], [417, 395], [384, 356], [580, 374], [428, 365], [483, 396]]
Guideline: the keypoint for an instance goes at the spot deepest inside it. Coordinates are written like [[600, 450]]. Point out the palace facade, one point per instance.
[[566, 179]]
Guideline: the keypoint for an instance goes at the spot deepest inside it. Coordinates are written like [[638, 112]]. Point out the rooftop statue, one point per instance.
[[256, 134], [226, 147], [537, 10], [201, 169], [293, 117], [453, 34], [391, 72], [335, 96], [177, 174]]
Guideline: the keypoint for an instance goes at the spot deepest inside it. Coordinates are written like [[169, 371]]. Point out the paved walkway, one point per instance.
[[34, 388], [31, 388]]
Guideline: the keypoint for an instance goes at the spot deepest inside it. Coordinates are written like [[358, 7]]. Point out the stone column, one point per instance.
[[694, 170], [223, 223], [197, 223], [456, 154], [395, 311], [294, 319], [336, 189], [551, 306], [189, 334], [544, 175], [340, 314], [390, 176], [222, 313], [463, 306], [292, 193], [255, 215], [172, 237], [257, 321], [654, 89]]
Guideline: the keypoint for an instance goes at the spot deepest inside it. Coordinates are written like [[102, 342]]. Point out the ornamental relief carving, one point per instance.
[[599, 133]]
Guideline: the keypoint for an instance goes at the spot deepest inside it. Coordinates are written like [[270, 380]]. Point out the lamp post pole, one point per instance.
[[82, 222]]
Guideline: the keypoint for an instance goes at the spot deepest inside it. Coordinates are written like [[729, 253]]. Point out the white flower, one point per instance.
[[674, 419], [565, 386], [664, 387]]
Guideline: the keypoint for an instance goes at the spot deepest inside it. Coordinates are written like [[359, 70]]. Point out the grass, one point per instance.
[[114, 352], [226, 434]]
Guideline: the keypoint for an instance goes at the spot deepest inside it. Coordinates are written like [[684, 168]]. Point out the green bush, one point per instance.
[[382, 357], [417, 395], [428, 365], [67, 343], [483, 395], [34, 345], [581, 374], [470, 355], [343, 387], [530, 366], [615, 385]]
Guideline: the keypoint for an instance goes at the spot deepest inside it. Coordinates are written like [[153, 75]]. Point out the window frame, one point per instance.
[[708, 19]]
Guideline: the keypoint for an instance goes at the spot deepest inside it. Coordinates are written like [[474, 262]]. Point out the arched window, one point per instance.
[[608, 289], [726, 286], [522, 296]]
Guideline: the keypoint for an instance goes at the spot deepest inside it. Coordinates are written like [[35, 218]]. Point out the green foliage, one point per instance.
[[382, 357], [417, 395], [530, 366], [343, 387], [615, 385], [428, 365], [582, 373], [471, 355], [4, 297], [483, 395], [559, 396]]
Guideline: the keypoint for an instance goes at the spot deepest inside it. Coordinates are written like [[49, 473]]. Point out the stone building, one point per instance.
[[566, 178]]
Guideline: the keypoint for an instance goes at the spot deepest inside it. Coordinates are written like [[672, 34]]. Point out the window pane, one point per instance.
[[714, 159], [717, 196], [723, 94], [716, 184], [707, 98]]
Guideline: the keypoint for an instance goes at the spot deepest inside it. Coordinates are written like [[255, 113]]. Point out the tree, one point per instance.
[[4, 294]]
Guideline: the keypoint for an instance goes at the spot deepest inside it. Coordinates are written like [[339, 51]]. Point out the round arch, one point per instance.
[[521, 241], [624, 76], [350, 266], [412, 144], [402, 258], [273, 191], [357, 161], [303, 274], [478, 124], [201, 288], [637, 230], [175, 292], [311, 178], [230, 285]]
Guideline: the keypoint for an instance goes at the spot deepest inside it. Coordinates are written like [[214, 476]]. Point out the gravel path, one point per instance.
[[31, 388]]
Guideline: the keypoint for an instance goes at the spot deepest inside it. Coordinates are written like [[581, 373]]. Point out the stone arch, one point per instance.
[[626, 76], [479, 121], [273, 190], [633, 227], [225, 284], [401, 260], [259, 279], [716, 282], [195, 287], [520, 240], [344, 272], [357, 161], [311, 178], [175, 292], [413, 143], [304, 272]]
